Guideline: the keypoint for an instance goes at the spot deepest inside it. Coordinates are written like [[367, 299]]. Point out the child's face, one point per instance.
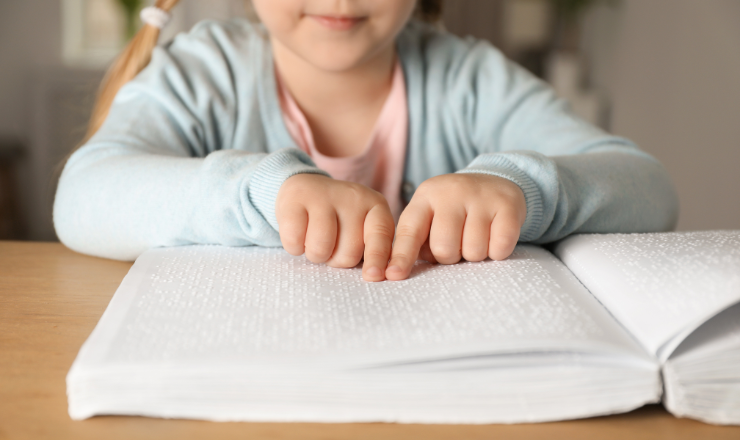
[[335, 35]]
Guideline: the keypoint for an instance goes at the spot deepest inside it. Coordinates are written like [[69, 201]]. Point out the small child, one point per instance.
[[317, 127]]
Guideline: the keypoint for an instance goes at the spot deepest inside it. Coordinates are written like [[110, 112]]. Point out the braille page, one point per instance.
[[660, 286], [702, 378], [265, 307], [721, 334]]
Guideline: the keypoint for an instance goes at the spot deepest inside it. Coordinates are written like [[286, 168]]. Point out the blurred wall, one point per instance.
[[30, 35], [30, 41], [672, 69]]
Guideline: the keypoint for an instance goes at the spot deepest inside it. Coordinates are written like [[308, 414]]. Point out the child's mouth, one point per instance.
[[341, 23]]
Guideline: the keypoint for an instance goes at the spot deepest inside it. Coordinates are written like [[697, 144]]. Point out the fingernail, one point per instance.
[[394, 268], [374, 272]]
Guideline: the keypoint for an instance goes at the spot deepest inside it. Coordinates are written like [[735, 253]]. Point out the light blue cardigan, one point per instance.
[[195, 150]]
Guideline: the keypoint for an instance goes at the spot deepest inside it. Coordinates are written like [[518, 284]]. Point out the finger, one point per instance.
[[378, 237], [292, 223], [412, 231], [476, 236], [426, 254], [504, 235], [349, 245], [321, 234], [445, 235]]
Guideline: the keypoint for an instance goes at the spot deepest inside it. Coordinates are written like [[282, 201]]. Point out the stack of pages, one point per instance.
[[254, 334]]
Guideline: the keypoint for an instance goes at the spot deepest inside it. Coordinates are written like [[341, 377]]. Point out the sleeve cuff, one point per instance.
[[270, 175], [499, 165]]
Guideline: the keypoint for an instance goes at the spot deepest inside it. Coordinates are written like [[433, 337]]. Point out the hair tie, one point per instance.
[[155, 16]]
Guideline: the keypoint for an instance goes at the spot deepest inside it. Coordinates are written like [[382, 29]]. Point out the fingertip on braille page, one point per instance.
[[394, 273], [374, 274]]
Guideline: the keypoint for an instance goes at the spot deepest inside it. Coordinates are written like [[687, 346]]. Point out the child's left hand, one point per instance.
[[454, 216]]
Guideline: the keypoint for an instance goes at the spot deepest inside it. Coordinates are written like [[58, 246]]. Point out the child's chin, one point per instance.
[[338, 59]]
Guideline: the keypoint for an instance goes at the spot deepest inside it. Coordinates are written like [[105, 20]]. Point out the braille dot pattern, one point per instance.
[[210, 301], [658, 284]]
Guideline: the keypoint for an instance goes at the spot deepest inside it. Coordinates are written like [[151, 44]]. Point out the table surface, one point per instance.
[[51, 298]]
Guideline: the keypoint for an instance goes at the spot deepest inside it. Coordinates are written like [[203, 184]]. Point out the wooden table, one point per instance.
[[50, 300]]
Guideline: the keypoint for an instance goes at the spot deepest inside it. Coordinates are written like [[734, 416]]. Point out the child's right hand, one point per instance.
[[335, 222]]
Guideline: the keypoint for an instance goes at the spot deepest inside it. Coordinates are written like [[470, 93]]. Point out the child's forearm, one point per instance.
[[117, 202], [575, 176], [609, 189]]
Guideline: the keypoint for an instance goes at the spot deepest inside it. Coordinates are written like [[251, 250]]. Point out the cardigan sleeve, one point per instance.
[[165, 169], [575, 177]]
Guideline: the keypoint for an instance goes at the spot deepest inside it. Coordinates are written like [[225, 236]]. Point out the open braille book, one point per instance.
[[254, 334]]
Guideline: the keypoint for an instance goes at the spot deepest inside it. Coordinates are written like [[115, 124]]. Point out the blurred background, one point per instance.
[[665, 73]]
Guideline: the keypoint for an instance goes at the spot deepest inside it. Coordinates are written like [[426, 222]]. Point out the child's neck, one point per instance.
[[341, 107]]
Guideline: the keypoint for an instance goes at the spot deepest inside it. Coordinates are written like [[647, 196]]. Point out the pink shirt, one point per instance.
[[380, 165]]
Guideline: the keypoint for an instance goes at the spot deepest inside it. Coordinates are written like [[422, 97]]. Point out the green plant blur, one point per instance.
[[572, 9], [131, 10]]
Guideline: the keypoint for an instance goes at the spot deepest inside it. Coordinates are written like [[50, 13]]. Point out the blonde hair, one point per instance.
[[138, 53], [127, 65]]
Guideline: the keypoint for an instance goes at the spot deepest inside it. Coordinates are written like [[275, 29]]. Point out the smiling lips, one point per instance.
[[340, 23]]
